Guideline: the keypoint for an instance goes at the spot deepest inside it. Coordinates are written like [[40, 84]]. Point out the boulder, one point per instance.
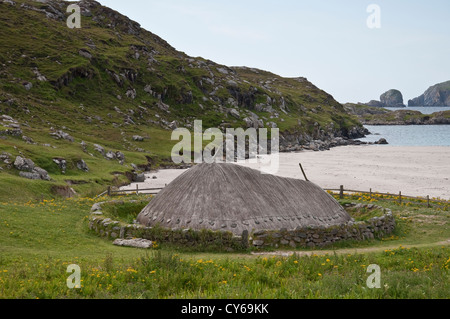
[[234, 113], [28, 86], [138, 138], [121, 157], [99, 149], [60, 135], [382, 141], [135, 243], [110, 155], [62, 164], [36, 174], [82, 166], [139, 178], [85, 54], [24, 164]]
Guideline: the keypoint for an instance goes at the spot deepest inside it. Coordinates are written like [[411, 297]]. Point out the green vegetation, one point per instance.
[[41, 238], [126, 212]]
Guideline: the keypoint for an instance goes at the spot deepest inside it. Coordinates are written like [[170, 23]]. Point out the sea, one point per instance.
[[412, 135]]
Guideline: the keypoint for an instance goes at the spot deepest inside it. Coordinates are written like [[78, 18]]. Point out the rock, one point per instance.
[[135, 243], [162, 106], [382, 141], [82, 166], [99, 149], [139, 178], [234, 113], [62, 164], [131, 93], [36, 174], [374, 103], [62, 135], [83, 146], [28, 140], [5, 157], [42, 173], [392, 98], [39, 76], [232, 83], [85, 53], [138, 138], [258, 243], [223, 70], [121, 157], [28, 86], [24, 164], [10, 2], [110, 155], [30, 175], [173, 125]]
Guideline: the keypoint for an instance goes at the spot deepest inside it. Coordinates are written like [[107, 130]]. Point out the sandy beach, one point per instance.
[[415, 171]]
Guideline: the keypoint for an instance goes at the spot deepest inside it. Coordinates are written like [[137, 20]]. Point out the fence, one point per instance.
[[147, 191], [400, 198]]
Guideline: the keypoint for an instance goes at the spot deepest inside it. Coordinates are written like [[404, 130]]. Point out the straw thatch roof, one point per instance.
[[233, 198]]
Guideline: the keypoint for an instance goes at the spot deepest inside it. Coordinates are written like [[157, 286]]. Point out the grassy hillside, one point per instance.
[[111, 80]]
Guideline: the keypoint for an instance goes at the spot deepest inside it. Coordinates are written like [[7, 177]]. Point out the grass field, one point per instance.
[[40, 239]]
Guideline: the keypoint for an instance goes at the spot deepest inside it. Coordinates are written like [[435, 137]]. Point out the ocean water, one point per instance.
[[410, 135]]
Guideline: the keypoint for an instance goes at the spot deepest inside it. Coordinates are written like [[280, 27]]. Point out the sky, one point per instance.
[[328, 41]]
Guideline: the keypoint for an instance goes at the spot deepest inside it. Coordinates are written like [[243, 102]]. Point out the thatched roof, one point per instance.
[[234, 198]]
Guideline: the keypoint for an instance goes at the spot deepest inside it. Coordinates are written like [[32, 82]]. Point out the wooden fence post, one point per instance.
[[428, 201], [109, 190], [400, 197], [301, 167], [341, 192], [371, 193], [137, 189]]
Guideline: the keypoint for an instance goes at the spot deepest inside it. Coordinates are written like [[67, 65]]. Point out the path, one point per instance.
[[346, 251]]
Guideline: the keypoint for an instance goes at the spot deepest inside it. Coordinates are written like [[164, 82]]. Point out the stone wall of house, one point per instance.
[[308, 237], [311, 237], [110, 229]]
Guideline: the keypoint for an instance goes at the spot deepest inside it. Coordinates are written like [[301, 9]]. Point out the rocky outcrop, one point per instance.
[[392, 98], [60, 135], [437, 95], [29, 170]]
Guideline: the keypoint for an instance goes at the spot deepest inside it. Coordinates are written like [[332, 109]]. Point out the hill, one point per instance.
[[92, 106], [437, 95]]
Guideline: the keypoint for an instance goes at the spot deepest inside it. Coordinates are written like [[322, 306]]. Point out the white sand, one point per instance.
[[415, 171]]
